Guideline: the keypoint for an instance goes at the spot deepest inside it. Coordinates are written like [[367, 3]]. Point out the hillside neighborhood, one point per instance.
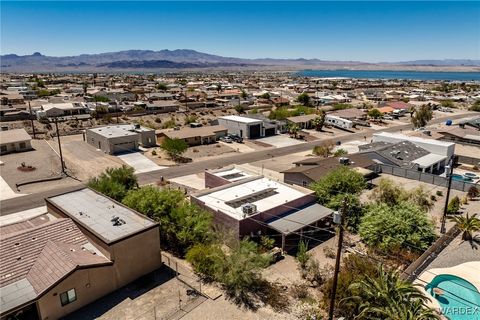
[[238, 195]]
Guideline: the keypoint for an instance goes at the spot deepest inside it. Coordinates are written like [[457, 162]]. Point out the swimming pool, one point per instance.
[[459, 177], [460, 299]]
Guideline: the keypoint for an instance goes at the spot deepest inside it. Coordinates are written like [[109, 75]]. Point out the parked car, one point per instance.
[[387, 118], [226, 139], [235, 137]]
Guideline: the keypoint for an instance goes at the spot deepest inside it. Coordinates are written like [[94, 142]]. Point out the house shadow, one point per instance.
[[131, 291]]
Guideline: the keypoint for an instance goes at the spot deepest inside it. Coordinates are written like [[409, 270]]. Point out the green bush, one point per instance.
[[207, 260], [390, 228], [115, 182], [453, 205]]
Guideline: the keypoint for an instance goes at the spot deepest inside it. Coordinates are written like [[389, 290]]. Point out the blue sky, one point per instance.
[[366, 31]]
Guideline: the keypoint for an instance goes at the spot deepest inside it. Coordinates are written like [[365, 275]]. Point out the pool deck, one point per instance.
[[460, 259], [468, 271]]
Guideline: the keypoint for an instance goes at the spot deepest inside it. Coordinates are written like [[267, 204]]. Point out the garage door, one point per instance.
[[123, 147], [254, 131], [269, 132]]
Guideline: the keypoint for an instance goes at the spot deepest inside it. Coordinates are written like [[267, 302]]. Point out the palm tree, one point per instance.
[[468, 225], [388, 297], [319, 121]]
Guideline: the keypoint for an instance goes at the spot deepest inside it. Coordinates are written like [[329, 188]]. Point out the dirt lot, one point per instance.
[[46, 163], [83, 160]]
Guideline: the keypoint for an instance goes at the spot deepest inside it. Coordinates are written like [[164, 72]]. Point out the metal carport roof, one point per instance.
[[299, 219]]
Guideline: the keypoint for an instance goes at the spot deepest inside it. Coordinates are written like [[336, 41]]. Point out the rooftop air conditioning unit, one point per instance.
[[248, 209], [344, 160]]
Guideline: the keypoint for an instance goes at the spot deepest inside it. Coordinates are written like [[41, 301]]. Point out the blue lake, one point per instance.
[[390, 74]]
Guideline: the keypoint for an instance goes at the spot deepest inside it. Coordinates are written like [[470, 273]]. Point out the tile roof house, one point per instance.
[[84, 248], [194, 136]]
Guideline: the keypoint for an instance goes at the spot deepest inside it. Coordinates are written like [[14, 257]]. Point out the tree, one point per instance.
[[468, 225], [387, 296], [208, 260], [475, 106], [242, 275], [454, 205], [244, 95], [473, 192], [101, 99], [323, 150], [342, 106], [374, 113], [240, 108], [266, 95], [115, 182], [302, 255], [401, 226], [182, 224], [340, 181], [421, 116], [174, 147], [304, 99], [447, 104], [293, 130], [319, 121], [340, 152], [390, 193], [161, 86], [354, 268]]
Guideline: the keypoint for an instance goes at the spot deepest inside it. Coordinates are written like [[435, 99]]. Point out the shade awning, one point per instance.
[[297, 220]]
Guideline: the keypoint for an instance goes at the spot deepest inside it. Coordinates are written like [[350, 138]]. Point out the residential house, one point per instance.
[[243, 126], [194, 136], [14, 140], [311, 169], [120, 138], [65, 110], [304, 121], [249, 205], [86, 247]]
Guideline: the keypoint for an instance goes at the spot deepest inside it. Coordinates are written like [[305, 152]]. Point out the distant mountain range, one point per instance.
[[190, 59]]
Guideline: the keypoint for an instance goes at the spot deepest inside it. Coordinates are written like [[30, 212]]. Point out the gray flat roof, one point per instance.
[[115, 131], [95, 212], [298, 219]]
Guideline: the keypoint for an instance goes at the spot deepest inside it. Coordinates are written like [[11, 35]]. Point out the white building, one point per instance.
[[244, 127]]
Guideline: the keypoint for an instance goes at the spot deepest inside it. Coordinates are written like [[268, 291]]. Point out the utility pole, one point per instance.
[[59, 146], [31, 119], [337, 260], [449, 167]]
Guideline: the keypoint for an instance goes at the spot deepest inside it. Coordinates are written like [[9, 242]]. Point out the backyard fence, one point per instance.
[[414, 269], [420, 176]]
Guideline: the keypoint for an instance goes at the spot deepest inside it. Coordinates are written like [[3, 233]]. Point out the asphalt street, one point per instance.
[[37, 199]]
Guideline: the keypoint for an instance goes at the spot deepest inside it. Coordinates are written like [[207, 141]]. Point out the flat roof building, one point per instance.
[[247, 205], [15, 140], [244, 127], [120, 138]]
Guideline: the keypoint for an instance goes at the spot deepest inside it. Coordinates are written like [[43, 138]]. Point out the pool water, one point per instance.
[[460, 299], [459, 177]]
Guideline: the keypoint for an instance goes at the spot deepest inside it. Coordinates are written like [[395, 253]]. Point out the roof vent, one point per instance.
[[117, 221], [248, 209]]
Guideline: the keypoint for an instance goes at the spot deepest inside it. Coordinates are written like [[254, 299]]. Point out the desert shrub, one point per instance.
[[453, 205]]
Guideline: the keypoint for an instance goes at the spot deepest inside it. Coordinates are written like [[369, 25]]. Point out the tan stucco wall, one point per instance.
[[89, 284], [136, 256]]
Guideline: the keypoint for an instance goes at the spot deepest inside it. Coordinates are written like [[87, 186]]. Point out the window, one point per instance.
[[68, 297], [22, 145], [304, 183], [3, 148]]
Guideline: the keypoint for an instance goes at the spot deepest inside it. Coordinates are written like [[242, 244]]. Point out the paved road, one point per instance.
[[37, 199]]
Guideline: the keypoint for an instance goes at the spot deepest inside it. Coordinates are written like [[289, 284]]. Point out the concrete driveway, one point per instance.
[[280, 141], [139, 162]]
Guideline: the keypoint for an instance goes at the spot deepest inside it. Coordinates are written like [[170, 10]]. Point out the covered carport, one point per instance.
[[295, 222]]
